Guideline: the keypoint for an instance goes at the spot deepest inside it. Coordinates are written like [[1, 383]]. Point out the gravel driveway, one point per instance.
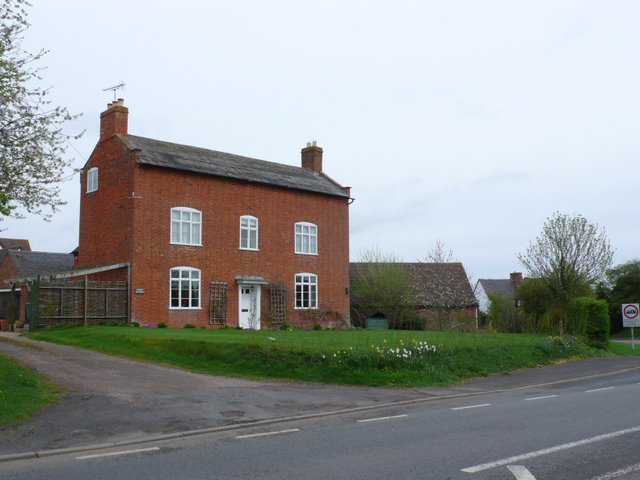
[[115, 398]]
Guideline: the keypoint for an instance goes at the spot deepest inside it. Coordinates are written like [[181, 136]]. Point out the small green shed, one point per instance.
[[377, 322]]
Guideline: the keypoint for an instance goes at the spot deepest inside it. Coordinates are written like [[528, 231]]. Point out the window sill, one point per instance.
[[308, 254], [186, 244]]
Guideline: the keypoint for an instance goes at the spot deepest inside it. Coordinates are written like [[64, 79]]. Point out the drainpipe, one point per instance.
[[129, 286], [86, 298]]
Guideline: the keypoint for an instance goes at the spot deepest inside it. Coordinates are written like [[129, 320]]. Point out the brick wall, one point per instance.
[[106, 214], [8, 270], [222, 202], [463, 319]]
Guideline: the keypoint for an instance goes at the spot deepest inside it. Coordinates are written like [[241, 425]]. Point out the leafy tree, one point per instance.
[[5, 209], [503, 315], [32, 143], [534, 300], [570, 256], [380, 285], [589, 320], [622, 286], [444, 298]]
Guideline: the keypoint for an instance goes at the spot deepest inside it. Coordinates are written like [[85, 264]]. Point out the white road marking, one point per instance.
[[472, 406], [618, 473], [540, 398], [547, 451], [122, 452], [377, 419], [520, 472], [265, 434], [598, 390]]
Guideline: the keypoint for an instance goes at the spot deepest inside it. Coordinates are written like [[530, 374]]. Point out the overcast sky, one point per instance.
[[468, 122]]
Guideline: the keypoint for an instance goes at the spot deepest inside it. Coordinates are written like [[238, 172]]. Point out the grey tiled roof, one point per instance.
[[440, 285], [435, 285], [504, 288], [211, 162], [30, 264]]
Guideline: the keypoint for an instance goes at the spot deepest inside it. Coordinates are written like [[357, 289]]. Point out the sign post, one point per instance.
[[631, 318]]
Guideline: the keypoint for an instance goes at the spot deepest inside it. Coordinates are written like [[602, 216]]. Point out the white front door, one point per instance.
[[249, 306]]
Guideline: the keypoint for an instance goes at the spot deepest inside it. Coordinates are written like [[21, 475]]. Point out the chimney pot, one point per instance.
[[114, 120], [312, 157], [516, 277]]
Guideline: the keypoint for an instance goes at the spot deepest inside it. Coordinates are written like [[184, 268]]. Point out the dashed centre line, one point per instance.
[[540, 398], [266, 434], [378, 419], [618, 473], [472, 406], [122, 452], [598, 389]]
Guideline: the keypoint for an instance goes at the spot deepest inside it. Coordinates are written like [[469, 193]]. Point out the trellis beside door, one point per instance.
[[218, 299]]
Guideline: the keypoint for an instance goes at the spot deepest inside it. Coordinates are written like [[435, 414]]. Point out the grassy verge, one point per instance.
[[356, 357], [624, 349], [625, 333], [22, 392]]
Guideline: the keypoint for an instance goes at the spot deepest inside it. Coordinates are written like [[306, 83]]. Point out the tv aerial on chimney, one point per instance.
[[115, 88]]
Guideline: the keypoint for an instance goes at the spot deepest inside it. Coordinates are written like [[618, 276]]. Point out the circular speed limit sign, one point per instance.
[[630, 315]]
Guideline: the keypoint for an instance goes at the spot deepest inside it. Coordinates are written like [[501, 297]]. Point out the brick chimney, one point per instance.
[[312, 157], [114, 120], [516, 277]]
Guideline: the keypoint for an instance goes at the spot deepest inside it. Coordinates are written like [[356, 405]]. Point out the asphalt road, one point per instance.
[[581, 430], [118, 401]]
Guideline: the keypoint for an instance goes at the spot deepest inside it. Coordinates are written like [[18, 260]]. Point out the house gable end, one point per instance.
[[15, 244], [498, 287]]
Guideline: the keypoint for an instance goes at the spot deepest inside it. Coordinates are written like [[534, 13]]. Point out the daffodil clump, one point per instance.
[[405, 354], [560, 342]]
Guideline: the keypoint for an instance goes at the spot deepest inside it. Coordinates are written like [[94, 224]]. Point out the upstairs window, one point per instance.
[[248, 233], [185, 287], [306, 290], [92, 180], [306, 238], [186, 226]]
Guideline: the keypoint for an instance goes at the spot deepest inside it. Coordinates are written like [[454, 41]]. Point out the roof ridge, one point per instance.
[[161, 153], [194, 147]]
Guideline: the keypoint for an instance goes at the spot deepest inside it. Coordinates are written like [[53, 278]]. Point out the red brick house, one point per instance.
[[214, 238]]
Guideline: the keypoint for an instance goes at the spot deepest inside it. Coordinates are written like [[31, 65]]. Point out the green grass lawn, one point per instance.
[[22, 392], [625, 333], [357, 357]]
